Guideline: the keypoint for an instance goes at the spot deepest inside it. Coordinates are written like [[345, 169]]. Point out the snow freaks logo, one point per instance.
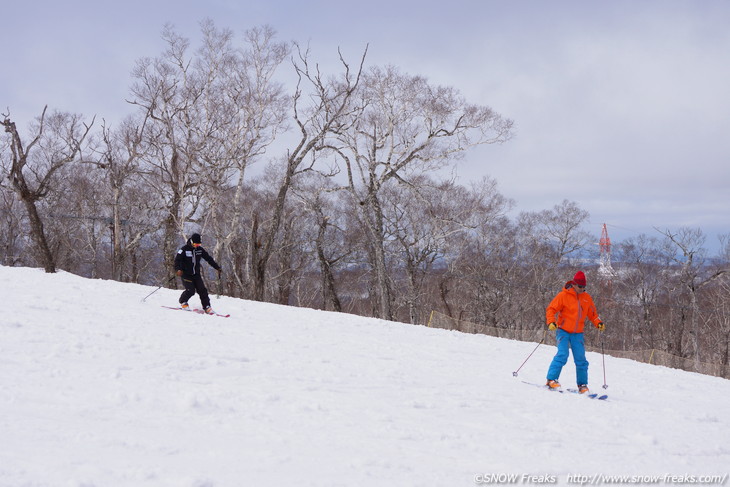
[[600, 479], [513, 478]]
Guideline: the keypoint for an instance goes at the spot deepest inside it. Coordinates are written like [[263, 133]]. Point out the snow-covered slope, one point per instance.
[[98, 388]]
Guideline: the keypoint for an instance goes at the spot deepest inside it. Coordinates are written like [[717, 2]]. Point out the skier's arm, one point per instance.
[[209, 259], [551, 313], [179, 260], [593, 314]]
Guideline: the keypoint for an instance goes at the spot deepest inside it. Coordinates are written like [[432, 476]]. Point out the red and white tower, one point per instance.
[[605, 270]]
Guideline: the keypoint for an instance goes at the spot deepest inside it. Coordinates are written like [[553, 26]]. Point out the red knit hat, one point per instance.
[[579, 279]]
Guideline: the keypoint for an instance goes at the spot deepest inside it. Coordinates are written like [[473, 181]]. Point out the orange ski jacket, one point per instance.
[[569, 310]]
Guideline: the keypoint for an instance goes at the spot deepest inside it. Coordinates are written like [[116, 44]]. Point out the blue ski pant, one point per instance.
[[569, 341]]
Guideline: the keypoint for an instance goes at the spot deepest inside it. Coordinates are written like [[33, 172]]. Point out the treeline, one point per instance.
[[321, 188]]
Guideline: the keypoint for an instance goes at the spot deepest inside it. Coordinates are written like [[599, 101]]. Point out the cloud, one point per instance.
[[620, 106]]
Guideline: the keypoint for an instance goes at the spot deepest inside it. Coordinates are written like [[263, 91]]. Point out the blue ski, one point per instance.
[[592, 395]]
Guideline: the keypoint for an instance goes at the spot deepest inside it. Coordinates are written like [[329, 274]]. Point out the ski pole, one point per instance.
[[158, 288], [603, 357], [514, 374]]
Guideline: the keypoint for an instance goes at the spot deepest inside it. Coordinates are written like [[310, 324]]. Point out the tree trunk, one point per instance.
[[168, 246], [373, 217], [39, 236], [118, 257], [258, 264], [329, 293], [694, 332]]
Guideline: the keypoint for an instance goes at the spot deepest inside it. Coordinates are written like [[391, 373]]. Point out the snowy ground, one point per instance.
[[100, 389]]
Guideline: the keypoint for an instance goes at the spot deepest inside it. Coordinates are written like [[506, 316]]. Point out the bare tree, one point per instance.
[[329, 290], [77, 226], [329, 102], [178, 93], [721, 309], [401, 126], [12, 229], [119, 156], [319, 199], [718, 333], [426, 221], [31, 168], [490, 275], [695, 274], [254, 114], [562, 229], [644, 263]]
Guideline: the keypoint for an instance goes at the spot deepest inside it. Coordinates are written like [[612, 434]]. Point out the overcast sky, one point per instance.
[[620, 106]]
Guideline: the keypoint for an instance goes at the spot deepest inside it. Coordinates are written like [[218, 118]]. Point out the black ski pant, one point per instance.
[[192, 285]]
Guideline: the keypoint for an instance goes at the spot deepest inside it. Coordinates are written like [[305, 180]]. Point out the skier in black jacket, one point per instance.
[[187, 266]]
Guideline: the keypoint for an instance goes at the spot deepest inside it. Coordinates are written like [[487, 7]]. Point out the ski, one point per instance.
[[591, 395], [197, 310], [543, 386], [202, 312]]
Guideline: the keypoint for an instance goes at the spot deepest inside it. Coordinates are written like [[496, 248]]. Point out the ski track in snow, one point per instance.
[[98, 388]]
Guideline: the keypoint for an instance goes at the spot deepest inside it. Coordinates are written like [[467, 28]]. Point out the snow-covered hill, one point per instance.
[[98, 388]]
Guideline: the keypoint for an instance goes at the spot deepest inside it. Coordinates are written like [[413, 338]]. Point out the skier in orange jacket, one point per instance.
[[567, 313]]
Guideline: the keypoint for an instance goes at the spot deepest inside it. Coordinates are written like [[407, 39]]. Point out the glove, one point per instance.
[[552, 326], [601, 326], [179, 273]]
